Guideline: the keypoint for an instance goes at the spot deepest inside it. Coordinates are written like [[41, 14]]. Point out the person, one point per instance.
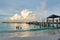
[[17, 27], [20, 27]]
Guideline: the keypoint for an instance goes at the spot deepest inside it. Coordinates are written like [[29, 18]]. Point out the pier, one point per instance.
[[51, 21]]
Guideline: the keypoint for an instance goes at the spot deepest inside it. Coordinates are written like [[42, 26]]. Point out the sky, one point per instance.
[[42, 8]]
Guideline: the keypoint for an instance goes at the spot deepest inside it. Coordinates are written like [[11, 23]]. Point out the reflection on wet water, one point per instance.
[[53, 32], [18, 26], [13, 26], [22, 34], [32, 33]]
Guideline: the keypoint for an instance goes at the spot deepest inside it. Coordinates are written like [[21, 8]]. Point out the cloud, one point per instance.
[[26, 15]]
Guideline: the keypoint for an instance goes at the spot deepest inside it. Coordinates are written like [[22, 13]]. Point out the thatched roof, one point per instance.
[[54, 16]]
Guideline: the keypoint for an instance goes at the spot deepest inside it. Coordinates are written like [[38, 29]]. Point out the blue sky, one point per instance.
[[10, 7]]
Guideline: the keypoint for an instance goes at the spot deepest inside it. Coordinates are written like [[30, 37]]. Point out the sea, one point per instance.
[[8, 30]]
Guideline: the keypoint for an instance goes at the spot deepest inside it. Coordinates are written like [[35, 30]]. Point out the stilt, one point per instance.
[[53, 22], [57, 23], [47, 22]]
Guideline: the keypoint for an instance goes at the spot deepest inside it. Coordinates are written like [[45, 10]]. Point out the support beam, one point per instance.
[[53, 22], [47, 21]]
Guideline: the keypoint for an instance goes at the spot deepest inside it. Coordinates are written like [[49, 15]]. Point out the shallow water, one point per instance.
[[17, 26], [9, 30]]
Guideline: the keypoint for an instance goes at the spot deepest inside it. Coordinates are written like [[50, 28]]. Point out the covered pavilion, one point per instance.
[[53, 16]]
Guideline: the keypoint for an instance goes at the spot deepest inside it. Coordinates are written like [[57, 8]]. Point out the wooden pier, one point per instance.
[[51, 21]]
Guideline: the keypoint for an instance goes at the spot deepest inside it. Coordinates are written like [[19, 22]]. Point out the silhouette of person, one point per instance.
[[20, 27], [17, 27]]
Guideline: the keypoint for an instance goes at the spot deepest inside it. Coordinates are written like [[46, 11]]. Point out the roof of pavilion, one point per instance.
[[53, 16]]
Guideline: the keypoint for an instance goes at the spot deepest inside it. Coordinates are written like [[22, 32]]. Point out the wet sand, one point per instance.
[[39, 35], [31, 38]]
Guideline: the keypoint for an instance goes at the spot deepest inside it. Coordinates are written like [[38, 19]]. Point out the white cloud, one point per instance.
[[26, 15]]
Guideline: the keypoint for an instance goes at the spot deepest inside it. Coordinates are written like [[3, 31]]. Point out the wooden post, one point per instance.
[[57, 23], [44, 22], [53, 22], [47, 22], [40, 24]]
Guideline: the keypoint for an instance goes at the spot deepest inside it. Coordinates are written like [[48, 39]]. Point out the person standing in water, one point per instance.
[[20, 27], [17, 27]]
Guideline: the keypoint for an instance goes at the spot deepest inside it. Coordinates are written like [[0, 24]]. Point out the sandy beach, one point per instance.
[[31, 38], [40, 37]]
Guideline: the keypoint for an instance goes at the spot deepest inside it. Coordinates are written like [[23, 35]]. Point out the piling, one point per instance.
[[57, 23]]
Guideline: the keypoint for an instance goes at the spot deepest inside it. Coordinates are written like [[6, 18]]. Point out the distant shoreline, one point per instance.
[[29, 22]]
